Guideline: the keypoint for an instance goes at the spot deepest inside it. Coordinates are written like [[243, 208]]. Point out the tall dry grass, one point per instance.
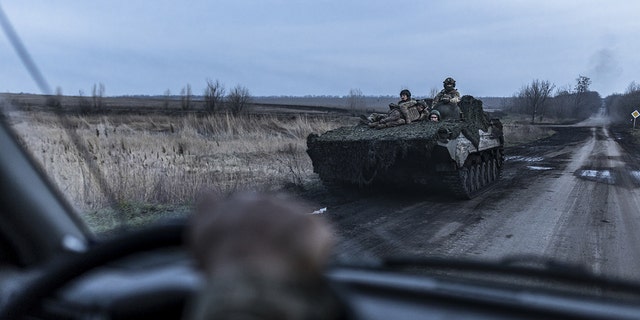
[[168, 160], [517, 134], [518, 130]]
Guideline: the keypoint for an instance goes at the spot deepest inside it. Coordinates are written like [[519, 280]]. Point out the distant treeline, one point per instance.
[[370, 102], [149, 101], [620, 106]]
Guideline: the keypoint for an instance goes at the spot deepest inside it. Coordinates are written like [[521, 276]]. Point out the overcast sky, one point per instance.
[[297, 48]]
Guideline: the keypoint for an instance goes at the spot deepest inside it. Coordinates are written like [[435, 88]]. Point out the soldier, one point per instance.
[[434, 116], [263, 258], [404, 112], [446, 101]]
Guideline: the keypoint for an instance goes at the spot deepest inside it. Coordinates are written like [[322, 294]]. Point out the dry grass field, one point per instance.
[[520, 132], [159, 163]]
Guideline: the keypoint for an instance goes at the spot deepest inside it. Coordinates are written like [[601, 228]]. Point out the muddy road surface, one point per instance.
[[573, 197]]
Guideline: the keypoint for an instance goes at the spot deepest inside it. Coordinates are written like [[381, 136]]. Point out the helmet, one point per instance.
[[406, 93], [449, 80], [436, 112]]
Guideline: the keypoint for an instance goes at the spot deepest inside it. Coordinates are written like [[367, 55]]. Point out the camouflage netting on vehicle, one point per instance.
[[475, 118], [358, 153]]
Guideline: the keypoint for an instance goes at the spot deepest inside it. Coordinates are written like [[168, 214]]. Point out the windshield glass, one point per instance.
[[480, 130]]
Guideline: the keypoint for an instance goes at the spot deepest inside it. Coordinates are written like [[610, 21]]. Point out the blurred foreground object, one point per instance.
[[263, 257]]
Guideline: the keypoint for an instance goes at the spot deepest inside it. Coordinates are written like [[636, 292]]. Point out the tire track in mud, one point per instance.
[[378, 227], [526, 218], [604, 236]]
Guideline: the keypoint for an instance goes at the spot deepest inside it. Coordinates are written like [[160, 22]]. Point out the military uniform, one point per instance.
[[446, 97], [446, 101], [404, 112], [434, 113]]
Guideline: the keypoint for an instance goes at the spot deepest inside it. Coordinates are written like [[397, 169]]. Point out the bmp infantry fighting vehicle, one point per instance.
[[464, 155]]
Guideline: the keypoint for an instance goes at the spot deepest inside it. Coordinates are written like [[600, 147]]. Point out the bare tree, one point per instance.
[[186, 97], [632, 87], [563, 103], [55, 101], [84, 105], [238, 99], [534, 96], [213, 95], [433, 92], [167, 98], [98, 95], [581, 88], [620, 106], [355, 100]]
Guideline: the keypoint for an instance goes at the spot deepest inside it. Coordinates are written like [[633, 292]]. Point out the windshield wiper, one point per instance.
[[24, 54]]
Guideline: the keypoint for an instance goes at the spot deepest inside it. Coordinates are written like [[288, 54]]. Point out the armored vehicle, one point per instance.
[[463, 155]]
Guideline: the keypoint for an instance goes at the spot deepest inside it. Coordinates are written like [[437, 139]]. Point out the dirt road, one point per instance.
[[574, 197]]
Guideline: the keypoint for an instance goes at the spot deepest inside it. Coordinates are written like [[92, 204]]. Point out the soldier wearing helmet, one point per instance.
[[403, 112], [434, 115], [446, 101]]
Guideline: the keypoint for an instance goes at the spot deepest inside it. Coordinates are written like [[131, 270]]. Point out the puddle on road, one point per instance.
[[612, 176], [523, 159], [636, 176], [538, 168], [604, 176], [530, 159]]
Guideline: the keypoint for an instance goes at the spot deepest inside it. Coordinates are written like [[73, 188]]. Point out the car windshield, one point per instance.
[[489, 131]]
